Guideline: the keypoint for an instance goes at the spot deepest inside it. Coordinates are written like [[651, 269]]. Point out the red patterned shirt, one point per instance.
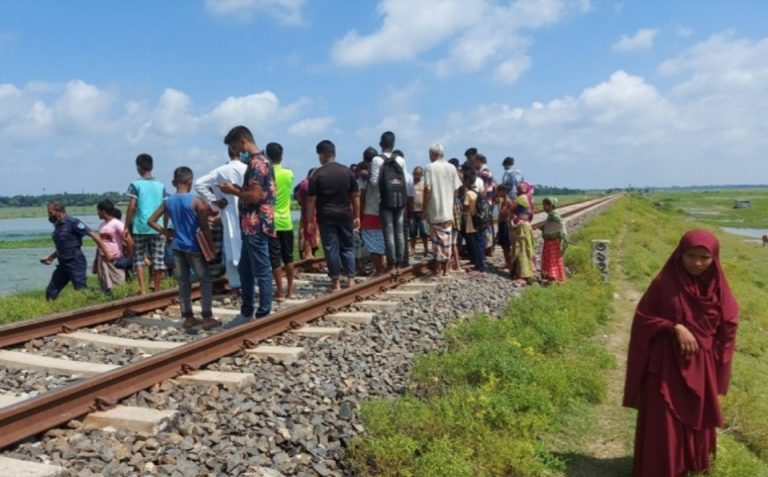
[[259, 217]]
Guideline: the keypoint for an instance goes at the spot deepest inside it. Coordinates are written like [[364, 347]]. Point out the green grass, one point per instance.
[[480, 407], [32, 304], [36, 212], [653, 233], [42, 242], [746, 266], [490, 403]]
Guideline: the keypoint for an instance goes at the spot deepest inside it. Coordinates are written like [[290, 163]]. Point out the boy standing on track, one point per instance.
[[257, 223], [473, 231], [146, 194], [188, 213], [281, 246]]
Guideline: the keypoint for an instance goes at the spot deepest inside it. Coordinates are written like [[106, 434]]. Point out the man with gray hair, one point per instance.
[[441, 182]]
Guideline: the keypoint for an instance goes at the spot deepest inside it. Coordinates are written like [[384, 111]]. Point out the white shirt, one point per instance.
[[372, 194], [207, 187], [442, 180]]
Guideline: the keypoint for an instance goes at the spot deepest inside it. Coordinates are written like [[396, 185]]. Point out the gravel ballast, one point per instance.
[[298, 418]]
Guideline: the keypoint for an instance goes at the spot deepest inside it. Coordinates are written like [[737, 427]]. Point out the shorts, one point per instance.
[[418, 226], [373, 240], [151, 245], [281, 248]]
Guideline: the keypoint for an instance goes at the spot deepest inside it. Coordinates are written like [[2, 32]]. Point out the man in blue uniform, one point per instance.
[[68, 233]]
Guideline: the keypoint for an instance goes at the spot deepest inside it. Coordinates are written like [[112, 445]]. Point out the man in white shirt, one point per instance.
[[207, 187], [392, 221], [441, 182]]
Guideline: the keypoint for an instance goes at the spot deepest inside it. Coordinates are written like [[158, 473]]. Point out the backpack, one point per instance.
[[392, 185], [483, 213]]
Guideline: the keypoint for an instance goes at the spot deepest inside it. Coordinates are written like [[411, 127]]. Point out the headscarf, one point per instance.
[[553, 214], [706, 306]]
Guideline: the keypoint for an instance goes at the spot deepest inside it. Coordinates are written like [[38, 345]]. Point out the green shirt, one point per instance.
[[284, 184]]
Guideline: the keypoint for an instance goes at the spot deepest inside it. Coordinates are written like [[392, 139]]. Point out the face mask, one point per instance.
[[245, 157], [53, 219]]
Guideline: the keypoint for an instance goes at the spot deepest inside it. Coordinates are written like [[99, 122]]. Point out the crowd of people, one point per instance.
[[236, 220], [375, 211]]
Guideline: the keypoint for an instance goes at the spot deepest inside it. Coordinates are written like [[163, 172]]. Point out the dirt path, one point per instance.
[[604, 446]]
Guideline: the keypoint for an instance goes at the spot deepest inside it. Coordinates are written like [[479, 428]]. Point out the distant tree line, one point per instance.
[[64, 198], [551, 190]]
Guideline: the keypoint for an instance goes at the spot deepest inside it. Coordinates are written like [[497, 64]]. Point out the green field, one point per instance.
[[715, 207], [36, 212], [32, 304], [478, 406]]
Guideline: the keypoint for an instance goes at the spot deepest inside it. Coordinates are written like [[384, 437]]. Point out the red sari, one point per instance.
[[676, 397]]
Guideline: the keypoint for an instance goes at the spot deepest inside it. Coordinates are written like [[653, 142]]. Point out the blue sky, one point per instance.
[[582, 93]]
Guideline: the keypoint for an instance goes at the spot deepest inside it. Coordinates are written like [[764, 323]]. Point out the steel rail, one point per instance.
[[54, 408], [68, 321], [30, 417]]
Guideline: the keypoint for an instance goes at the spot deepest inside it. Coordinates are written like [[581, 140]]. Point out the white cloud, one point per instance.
[[640, 41], [311, 127], [402, 100], [511, 69], [476, 32], [87, 135], [708, 128], [288, 12], [408, 28]]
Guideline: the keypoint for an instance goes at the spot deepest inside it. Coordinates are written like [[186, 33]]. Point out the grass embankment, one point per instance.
[[644, 236], [480, 407], [32, 304], [44, 241], [42, 211]]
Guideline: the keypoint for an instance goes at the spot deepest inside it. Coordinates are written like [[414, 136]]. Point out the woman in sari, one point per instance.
[[555, 237], [521, 234], [680, 352]]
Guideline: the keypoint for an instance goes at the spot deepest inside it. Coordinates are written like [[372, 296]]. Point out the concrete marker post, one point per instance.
[[600, 257]]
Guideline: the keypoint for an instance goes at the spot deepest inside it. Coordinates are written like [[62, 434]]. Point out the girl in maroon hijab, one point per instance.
[[680, 354]]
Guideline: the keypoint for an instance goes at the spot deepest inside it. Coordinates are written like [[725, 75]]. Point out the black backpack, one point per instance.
[[483, 213], [392, 185]]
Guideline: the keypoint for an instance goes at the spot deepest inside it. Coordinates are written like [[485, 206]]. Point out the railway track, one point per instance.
[[105, 389]]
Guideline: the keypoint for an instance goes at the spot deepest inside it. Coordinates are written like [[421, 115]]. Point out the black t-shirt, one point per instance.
[[333, 184]]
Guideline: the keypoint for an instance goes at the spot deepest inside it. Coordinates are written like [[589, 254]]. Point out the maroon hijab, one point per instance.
[[707, 308]]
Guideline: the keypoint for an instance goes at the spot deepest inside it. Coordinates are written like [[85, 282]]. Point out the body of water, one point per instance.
[[31, 228], [21, 270], [754, 235]]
